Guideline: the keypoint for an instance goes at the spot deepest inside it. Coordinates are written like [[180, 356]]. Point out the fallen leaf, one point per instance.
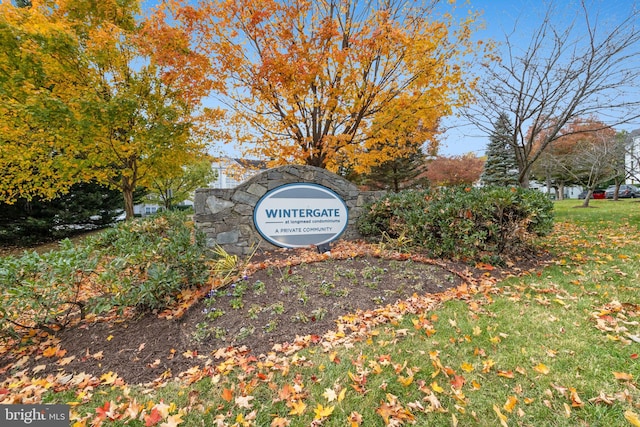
[[280, 422], [632, 417], [405, 381], [541, 368], [355, 419], [503, 418], [576, 402], [322, 412], [227, 394], [133, 410], [153, 418], [106, 411], [623, 376], [330, 394], [510, 404], [436, 387], [505, 374], [298, 408], [109, 378], [39, 368], [66, 360], [172, 420], [244, 401], [457, 382], [50, 351], [467, 367]]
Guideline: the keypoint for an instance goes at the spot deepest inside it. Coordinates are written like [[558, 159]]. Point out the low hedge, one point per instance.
[[142, 263], [461, 222]]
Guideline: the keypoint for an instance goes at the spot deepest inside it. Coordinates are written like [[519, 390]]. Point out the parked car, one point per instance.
[[597, 194], [625, 192]]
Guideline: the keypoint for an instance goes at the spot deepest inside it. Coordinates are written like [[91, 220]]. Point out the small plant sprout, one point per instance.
[[259, 287], [300, 317], [271, 326], [277, 308]]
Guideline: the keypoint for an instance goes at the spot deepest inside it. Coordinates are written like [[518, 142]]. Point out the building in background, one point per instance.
[[230, 173], [632, 158]]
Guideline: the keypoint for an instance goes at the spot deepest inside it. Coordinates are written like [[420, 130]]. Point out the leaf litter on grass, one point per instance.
[[446, 392]]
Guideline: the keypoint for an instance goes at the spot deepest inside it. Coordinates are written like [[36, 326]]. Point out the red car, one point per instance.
[[597, 194]]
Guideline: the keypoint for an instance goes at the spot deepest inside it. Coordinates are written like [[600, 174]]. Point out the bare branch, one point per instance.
[[572, 69]]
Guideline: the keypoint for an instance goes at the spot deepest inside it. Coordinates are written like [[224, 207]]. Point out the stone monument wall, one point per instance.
[[226, 215]]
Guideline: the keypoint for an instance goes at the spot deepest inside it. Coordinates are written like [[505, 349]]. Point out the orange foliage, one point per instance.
[[321, 82], [456, 170], [576, 134]]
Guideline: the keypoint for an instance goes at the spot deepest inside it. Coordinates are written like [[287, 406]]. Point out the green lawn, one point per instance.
[[553, 347]]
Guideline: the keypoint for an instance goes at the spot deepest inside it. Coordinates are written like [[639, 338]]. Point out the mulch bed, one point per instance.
[[273, 305]]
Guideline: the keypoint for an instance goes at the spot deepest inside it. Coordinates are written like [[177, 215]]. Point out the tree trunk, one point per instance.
[[524, 179], [128, 204], [560, 191], [127, 192], [585, 204]]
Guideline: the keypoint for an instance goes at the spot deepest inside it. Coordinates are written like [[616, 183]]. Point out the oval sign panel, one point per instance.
[[300, 215]]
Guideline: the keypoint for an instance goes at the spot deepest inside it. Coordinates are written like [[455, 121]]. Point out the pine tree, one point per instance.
[[399, 173], [500, 167]]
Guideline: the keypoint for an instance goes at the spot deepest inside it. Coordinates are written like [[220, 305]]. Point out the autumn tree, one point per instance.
[[595, 162], [88, 99], [318, 82], [570, 68], [37, 126], [555, 164], [455, 170], [172, 187], [586, 153], [500, 167]]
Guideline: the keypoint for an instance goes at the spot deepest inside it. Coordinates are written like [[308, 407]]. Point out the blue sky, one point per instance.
[[519, 18]]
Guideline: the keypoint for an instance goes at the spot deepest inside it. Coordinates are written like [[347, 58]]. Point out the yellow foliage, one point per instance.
[[329, 84]]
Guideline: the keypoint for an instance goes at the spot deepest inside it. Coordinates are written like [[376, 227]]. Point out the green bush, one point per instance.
[[461, 222], [43, 291], [142, 263], [148, 262]]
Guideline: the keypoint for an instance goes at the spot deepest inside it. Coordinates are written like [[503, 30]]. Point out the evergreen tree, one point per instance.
[[86, 206], [500, 167], [399, 173]]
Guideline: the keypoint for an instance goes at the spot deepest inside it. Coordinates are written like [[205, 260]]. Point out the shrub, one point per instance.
[[43, 291], [147, 262], [461, 222], [143, 263]]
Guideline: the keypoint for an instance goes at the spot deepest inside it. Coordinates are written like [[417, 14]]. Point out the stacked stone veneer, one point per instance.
[[226, 215]]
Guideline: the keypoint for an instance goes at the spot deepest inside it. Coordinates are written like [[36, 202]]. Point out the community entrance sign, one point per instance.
[[300, 215]]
